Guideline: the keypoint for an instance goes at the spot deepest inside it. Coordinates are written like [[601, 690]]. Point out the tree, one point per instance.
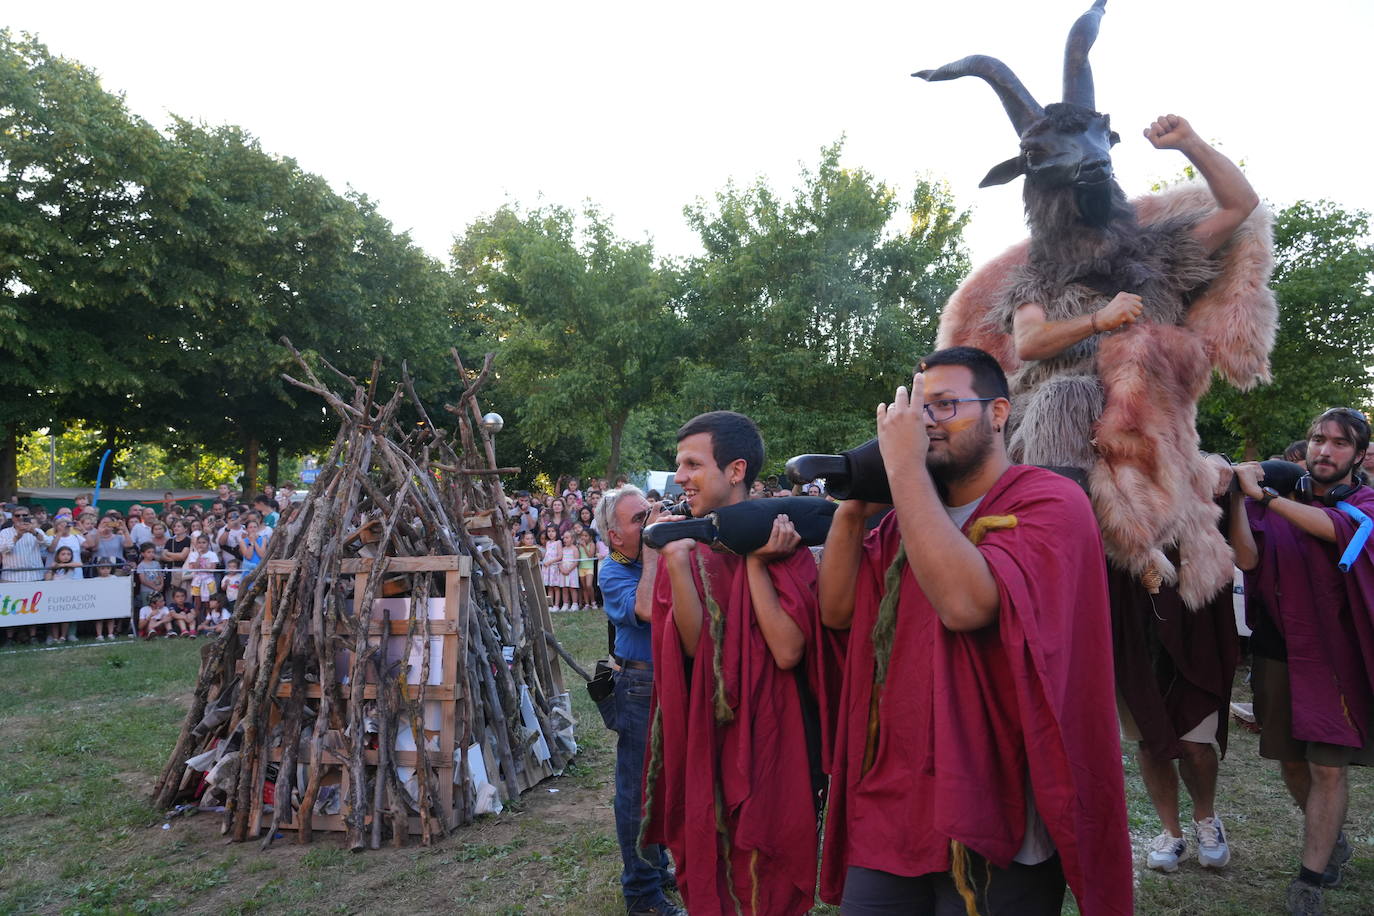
[[807, 312], [75, 169], [581, 319], [1323, 265]]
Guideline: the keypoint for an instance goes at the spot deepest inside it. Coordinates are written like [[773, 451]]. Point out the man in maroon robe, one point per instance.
[[733, 779], [977, 764], [1312, 636]]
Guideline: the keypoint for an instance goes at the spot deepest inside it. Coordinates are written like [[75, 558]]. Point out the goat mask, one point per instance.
[[1064, 144]]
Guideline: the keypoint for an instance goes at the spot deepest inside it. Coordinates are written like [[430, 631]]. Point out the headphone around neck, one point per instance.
[[1339, 493]]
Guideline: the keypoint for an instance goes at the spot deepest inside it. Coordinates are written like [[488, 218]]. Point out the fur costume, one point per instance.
[[1122, 406]]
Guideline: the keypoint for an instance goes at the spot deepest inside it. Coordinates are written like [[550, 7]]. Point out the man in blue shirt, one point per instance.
[[627, 583]]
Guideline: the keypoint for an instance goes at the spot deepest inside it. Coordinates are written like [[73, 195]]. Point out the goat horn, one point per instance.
[[1078, 75], [1021, 106]]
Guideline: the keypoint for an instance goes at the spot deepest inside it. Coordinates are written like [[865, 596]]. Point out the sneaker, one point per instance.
[[71, 637], [1339, 856], [575, 607], [99, 637], [1304, 899], [1212, 851], [1166, 851]]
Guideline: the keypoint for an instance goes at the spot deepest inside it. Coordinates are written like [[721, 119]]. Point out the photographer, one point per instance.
[[21, 552], [109, 539], [620, 520], [1309, 620]]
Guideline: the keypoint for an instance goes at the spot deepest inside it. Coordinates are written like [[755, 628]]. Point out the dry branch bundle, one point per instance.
[[312, 701]]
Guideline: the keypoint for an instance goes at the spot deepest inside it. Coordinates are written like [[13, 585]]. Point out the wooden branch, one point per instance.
[[566, 656]]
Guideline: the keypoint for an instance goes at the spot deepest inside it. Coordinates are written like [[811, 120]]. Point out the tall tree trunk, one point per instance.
[[617, 429], [251, 449], [274, 463], [9, 462]]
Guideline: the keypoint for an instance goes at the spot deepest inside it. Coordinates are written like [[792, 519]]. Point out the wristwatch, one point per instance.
[[1270, 494]]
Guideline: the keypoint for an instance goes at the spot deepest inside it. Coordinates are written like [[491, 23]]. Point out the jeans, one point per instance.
[[641, 882]]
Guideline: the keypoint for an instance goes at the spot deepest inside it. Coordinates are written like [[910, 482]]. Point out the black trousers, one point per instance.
[[1020, 890]]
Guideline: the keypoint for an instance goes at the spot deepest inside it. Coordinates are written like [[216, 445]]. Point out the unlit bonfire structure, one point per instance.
[[393, 670]]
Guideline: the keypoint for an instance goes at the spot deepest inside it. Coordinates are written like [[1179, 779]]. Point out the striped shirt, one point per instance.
[[22, 552]]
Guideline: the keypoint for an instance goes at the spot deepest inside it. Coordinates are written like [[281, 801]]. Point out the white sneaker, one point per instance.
[[1212, 851], [575, 607], [99, 637], [1166, 851]]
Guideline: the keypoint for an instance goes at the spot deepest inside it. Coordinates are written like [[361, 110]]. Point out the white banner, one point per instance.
[[62, 600]]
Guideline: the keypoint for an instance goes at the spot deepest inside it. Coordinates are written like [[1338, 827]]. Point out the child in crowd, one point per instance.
[[233, 580], [216, 616], [149, 573], [202, 562], [586, 566], [183, 614], [553, 552], [106, 629], [253, 544], [63, 536], [176, 550], [603, 553], [567, 567], [64, 565], [154, 618]]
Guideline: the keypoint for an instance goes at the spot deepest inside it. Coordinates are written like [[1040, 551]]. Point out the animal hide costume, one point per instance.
[[1122, 406]]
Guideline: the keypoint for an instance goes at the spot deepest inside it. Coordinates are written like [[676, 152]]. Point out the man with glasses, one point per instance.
[[620, 517], [1312, 636], [976, 752], [21, 552]]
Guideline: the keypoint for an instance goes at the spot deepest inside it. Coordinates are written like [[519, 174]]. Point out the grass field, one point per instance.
[[85, 730]]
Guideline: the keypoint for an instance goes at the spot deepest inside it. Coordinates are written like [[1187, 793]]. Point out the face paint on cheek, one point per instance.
[[959, 424]]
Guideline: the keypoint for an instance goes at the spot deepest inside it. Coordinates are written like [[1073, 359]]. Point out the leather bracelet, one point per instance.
[[1096, 329]]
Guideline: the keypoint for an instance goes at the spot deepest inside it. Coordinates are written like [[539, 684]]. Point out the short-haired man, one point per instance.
[[526, 515], [976, 748], [619, 519], [732, 782], [1312, 636], [21, 551]]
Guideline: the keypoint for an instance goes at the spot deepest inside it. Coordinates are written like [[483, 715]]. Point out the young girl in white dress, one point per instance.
[[567, 568]]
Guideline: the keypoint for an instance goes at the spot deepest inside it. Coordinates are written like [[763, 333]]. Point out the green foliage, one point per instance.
[[1324, 263], [583, 325], [145, 279], [806, 312]]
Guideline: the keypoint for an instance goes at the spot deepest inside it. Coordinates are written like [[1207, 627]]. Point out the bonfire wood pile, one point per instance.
[[392, 670]]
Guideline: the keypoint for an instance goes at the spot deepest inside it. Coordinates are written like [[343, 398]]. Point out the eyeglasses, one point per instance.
[[641, 516], [946, 408]]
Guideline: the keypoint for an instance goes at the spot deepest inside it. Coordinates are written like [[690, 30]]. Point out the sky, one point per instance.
[[443, 112]]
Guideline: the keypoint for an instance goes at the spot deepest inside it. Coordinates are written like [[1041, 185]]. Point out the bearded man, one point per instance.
[[1312, 635], [976, 765]]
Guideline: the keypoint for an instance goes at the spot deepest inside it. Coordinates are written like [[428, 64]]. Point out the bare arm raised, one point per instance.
[[1236, 199]]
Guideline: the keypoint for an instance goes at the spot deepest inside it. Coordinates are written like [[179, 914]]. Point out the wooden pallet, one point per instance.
[[450, 693]]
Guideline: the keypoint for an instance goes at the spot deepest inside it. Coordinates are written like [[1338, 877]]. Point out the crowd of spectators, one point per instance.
[[186, 564]]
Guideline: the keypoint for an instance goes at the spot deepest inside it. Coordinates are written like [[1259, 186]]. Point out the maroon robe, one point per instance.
[[758, 761], [964, 716], [1324, 616]]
